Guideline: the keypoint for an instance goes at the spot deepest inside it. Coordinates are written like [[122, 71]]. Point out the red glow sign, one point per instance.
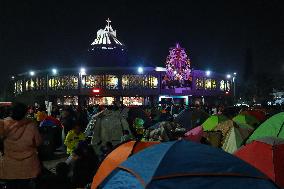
[[96, 90]]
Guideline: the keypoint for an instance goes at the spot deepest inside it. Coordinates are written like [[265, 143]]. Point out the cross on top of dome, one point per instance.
[[108, 26], [106, 38]]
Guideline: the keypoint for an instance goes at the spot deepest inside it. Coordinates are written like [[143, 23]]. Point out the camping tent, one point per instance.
[[213, 121], [191, 118], [184, 164], [266, 154], [233, 134], [194, 134], [117, 156], [246, 119], [272, 127], [259, 115]]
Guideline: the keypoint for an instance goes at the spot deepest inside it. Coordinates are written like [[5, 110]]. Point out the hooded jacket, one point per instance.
[[20, 160]]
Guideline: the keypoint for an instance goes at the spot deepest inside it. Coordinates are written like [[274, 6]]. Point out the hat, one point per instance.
[[138, 122]]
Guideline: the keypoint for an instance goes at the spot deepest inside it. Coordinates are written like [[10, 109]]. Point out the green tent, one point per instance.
[[246, 119], [273, 127], [213, 121]]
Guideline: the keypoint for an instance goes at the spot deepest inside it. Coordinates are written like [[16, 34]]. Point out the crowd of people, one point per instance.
[[27, 132]]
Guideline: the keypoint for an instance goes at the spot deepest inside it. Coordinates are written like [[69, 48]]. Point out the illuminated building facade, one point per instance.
[[108, 81]]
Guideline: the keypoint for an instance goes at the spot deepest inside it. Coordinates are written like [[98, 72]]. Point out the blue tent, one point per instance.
[[182, 165]]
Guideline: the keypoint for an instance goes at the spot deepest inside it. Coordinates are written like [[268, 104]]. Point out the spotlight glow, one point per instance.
[[54, 71], [82, 71], [208, 73], [140, 70], [32, 73]]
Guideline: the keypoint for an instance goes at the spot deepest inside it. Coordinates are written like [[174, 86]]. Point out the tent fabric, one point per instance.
[[117, 156], [225, 126], [233, 134], [184, 164], [194, 134], [235, 139], [191, 118], [259, 115], [51, 121], [272, 127], [266, 157], [246, 119], [213, 121]]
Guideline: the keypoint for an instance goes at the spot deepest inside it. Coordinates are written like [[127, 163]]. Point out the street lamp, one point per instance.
[[208, 73], [229, 76], [32, 73], [234, 83], [54, 71], [140, 70], [82, 71]]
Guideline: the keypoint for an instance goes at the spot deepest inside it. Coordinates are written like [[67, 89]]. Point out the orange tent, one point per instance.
[[116, 157]]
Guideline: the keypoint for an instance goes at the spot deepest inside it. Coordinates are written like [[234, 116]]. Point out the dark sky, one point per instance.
[[216, 34]]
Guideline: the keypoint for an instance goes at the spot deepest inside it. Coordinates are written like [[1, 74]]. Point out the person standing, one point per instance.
[[21, 164]]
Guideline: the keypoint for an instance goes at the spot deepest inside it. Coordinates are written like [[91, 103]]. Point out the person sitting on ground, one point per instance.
[[74, 137], [58, 180], [85, 165]]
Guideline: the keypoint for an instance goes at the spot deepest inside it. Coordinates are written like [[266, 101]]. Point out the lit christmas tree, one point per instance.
[[178, 64]]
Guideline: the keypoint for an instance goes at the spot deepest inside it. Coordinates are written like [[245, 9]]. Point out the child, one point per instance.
[[73, 138]]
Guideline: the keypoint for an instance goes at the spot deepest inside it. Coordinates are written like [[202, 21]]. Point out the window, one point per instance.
[[133, 101], [139, 81], [199, 83], [222, 85], [63, 82], [210, 84], [101, 100]]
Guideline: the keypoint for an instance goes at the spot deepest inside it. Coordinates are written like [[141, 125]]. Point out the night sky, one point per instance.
[[216, 34]]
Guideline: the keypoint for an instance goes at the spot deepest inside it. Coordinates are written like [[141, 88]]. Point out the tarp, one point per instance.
[[246, 119], [272, 127], [117, 156], [213, 121], [185, 164], [266, 154], [191, 118]]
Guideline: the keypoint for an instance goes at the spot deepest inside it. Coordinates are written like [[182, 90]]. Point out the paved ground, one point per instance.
[[58, 157]]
